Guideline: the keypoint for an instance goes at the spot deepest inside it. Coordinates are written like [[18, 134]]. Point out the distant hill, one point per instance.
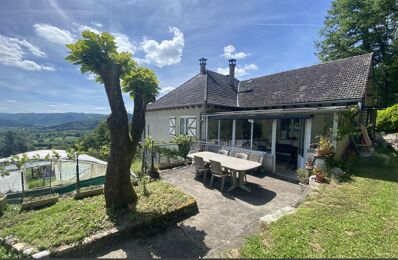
[[59, 121]]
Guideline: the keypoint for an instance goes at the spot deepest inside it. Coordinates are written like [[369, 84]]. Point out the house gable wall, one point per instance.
[[157, 122]]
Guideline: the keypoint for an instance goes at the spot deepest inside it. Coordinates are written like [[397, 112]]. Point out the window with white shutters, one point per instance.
[[191, 126], [187, 125], [172, 126]]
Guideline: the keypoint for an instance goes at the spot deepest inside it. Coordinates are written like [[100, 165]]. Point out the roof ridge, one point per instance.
[[309, 66]]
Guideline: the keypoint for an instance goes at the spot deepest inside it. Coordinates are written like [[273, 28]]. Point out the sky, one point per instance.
[[264, 36]]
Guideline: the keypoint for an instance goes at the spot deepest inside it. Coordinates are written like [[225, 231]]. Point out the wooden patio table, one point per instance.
[[234, 164]]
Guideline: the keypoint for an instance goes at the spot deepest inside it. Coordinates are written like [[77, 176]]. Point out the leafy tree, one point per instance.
[[12, 144], [387, 119], [356, 27], [98, 142], [9, 144], [96, 53]]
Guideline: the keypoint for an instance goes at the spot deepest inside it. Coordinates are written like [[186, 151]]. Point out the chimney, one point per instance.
[[232, 64], [202, 63]]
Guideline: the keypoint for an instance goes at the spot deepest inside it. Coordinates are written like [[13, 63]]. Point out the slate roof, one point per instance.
[[192, 92], [344, 79]]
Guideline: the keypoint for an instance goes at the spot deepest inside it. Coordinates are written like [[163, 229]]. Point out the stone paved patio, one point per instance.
[[225, 219]]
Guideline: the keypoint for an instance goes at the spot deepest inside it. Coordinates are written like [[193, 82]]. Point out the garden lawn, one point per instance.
[[71, 221], [357, 218], [136, 165], [7, 254]]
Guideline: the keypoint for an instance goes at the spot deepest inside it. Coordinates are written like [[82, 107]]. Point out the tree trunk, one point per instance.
[[138, 124], [119, 192]]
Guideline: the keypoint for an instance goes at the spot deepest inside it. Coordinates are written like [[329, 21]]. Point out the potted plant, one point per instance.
[[319, 176], [184, 143], [325, 146], [302, 175]]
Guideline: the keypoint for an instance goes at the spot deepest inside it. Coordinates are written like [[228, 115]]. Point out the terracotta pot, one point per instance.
[[322, 152], [319, 178]]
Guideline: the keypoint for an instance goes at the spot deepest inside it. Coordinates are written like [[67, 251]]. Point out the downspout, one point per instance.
[[206, 94], [237, 94], [201, 117]]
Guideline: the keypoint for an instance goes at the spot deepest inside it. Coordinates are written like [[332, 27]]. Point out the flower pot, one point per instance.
[[320, 163], [319, 178], [319, 152]]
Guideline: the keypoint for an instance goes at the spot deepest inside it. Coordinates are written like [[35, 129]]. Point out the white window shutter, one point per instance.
[[172, 126], [191, 122]]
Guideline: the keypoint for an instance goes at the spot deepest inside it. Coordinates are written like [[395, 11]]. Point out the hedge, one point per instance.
[[387, 119]]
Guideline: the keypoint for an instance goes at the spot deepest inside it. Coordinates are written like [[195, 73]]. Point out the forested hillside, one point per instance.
[[48, 119]]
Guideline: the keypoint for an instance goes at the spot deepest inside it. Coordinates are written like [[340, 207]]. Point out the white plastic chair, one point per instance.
[[217, 171], [242, 156]]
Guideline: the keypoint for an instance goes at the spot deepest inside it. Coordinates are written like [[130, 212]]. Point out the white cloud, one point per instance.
[[87, 28], [53, 34], [11, 101], [90, 76], [230, 53], [97, 24], [122, 40], [100, 108], [13, 52], [123, 43], [141, 62], [239, 70], [167, 52], [164, 90]]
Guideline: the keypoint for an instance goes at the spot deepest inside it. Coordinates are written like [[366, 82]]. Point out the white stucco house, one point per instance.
[[279, 114]]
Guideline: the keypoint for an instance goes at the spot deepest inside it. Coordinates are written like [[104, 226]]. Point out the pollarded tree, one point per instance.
[[97, 53], [142, 85]]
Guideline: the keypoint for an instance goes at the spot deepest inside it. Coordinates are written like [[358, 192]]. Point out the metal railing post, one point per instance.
[[77, 174], [23, 186], [152, 162]]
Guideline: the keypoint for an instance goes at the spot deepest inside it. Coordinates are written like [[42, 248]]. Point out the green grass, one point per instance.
[[136, 165], [357, 218], [35, 183], [71, 221], [7, 254]]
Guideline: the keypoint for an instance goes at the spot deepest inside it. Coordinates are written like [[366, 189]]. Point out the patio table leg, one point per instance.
[[242, 181], [234, 184]]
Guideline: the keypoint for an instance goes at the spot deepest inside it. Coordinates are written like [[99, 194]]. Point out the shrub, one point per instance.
[[302, 175], [387, 119], [184, 143]]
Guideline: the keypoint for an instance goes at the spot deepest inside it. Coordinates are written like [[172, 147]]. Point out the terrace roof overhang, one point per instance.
[[280, 113]]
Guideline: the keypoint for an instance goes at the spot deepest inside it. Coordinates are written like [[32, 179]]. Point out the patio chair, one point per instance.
[[200, 167], [224, 152], [193, 170], [242, 156], [233, 152], [217, 171], [254, 157]]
